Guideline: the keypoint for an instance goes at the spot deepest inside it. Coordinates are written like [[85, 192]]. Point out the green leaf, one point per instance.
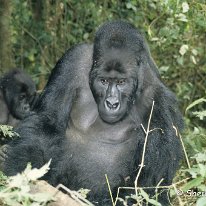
[[7, 131], [83, 192], [41, 197], [146, 197], [201, 201], [144, 194], [129, 5], [198, 101], [185, 7], [35, 173], [181, 17], [200, 115], [193, 172], [202, 170], [200, 157], [193, 183], [183, 49], [154, 202]]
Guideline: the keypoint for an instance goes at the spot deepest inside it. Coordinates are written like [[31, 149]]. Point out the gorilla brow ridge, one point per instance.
[[114, 64]]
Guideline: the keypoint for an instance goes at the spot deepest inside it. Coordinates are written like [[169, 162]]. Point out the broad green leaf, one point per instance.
[[193, 172], [181, 17], [193, 59], [185, 7], [201, 201], [200, 157], [183, 49], [41, 197], [198, 101], [35, 173], [202, 170], [144, 194], [146, 197], [193, 183], [200, 115]]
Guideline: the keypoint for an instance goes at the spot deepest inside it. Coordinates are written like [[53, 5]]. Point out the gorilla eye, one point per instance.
[[121, 81], [104, 81], [22, 96]]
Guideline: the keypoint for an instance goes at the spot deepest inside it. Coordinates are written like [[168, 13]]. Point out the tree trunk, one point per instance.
[[6, 60]]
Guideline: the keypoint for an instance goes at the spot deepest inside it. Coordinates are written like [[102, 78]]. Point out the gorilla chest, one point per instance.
[[100, 152]]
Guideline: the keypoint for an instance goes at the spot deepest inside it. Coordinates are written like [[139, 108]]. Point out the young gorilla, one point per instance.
[[88, 119], [17, 94]]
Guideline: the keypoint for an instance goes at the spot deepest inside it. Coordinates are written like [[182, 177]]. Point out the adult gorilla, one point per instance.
[[88, 119]]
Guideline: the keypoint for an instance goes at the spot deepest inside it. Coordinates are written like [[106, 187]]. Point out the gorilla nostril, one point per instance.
[[115, 105], [112, 103], [108, 104], [26, 108]]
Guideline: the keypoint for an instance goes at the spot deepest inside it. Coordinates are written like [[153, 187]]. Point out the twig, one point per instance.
[[75, 195], [144, 149], [156, 188], [159, 187], [40, 46], [179, 199], [118, 190], [157, 129], [183, 146], [143, 129], [110, 192]]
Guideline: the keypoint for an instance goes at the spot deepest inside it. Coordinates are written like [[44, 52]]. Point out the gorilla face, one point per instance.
[[19, 93], [113, 89], [21, 100]]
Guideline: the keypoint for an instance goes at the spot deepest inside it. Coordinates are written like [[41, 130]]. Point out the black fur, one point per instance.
[[17, 96], [67, 125]]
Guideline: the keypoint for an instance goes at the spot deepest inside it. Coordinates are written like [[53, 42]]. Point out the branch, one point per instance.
[[40, 46], [144, 149]]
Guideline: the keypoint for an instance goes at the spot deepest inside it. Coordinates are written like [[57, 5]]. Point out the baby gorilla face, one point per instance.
[[21, 100], [19, 92]]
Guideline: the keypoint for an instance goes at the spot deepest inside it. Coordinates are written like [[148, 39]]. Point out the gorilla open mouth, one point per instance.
[[111, 107], [110, 113]]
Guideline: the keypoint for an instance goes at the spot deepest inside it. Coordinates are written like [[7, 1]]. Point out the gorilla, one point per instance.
[[88, 119], [17, 95]]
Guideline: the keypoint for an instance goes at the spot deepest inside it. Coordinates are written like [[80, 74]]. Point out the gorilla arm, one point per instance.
[[163, 148], [56, 100], [43, 132]]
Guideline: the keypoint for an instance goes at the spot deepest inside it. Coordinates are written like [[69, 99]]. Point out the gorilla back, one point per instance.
[[88, 119]]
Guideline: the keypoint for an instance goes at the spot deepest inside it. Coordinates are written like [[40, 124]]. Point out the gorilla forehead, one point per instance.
[[25, 81], [117, 63], [114, 34]]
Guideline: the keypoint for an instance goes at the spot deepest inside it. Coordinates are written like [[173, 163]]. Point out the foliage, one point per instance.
[[17, 190], [6, 133], [175, 30], [195, 187], [201, 114], [7, 130]]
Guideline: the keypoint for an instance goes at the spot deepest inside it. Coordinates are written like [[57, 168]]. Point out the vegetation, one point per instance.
[[34, 35]]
